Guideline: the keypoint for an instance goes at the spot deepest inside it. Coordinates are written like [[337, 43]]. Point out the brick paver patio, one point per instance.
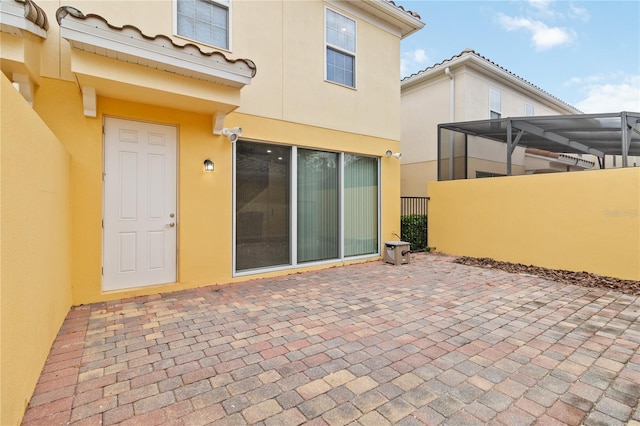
[[432, 342]]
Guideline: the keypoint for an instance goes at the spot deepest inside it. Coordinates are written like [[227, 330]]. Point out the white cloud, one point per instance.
[[594, 79], [613, 94], [572, 81], [412, 61], [419, 56], [542, 36], [540, 4], [580, 13], [543, 7], [546, 38]]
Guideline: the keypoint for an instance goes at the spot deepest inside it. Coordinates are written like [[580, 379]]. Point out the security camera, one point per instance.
[[232, 134]]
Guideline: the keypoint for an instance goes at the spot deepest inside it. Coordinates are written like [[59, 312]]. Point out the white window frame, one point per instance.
[[492, 108], [339, 49], [529, 110], [224, 3], [293, 223]]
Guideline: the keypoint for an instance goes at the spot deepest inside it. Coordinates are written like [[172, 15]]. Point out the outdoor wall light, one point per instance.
[[208, 165], [232, 134], [393, 154]]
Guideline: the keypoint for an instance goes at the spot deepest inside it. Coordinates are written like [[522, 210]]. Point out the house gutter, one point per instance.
[[452, 114]]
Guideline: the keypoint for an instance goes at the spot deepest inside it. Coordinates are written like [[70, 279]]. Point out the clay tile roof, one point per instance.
[[68, 10], [487, 60], [35, 14], [542, 152], [557, 155], [414, 14]]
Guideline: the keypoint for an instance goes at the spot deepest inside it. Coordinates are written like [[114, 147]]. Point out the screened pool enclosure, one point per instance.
[[596, 136]]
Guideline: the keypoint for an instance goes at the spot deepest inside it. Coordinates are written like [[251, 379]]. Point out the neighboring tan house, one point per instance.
[[467, 87], [157, 146]]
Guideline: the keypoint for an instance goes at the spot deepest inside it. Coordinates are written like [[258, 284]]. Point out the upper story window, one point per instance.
[[340, 48], [205, 21], [528, 110], [495, 103]]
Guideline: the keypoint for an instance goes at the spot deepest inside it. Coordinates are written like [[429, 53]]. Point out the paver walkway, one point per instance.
[[432, 342]]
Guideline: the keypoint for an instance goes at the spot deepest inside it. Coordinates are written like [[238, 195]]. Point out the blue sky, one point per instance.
[[586, 53]]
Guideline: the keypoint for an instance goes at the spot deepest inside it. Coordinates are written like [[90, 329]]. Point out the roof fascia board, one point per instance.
[[362, 14], [524, 89], [92, 31], [381, 14], [397, 15], [491, 69], [521, 84], [433, 71], [124, 80], [435, 79], [12, 16], [475, 62]]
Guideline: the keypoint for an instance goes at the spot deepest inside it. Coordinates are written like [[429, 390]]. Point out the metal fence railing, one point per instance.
[[413, 205], [413, 222]]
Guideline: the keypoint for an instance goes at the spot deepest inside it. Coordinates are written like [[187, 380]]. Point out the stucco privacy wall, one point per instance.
[[584, 221], [34, 248]]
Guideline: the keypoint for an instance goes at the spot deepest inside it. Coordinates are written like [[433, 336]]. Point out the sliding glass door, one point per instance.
[[295, 206], [318, 205], [263, 205], [360, 205]]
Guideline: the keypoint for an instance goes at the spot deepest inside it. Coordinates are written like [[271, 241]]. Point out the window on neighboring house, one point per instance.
[[340, 48], [495, 103], [294, 206], [528, 110], [205, 21], [480, 174]]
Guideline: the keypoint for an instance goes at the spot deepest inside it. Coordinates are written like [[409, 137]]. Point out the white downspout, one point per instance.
[[452, 115]]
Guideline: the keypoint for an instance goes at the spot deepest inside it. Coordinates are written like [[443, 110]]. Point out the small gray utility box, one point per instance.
[[397, 252]]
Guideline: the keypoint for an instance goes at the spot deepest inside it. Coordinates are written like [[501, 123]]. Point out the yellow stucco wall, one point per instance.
[[415, 177], [20, 54], [581, 221], [34, 248], [289, 52], [288, 102], [205, 210]]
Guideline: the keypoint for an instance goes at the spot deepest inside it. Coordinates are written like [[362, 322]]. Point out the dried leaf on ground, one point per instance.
[[584, 279]]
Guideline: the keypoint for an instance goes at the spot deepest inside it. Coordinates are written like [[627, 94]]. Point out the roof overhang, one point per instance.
[[23, 15], [123, 63], [407, 22], [473, 61], [540, 161], [595, 134], [23, 26]]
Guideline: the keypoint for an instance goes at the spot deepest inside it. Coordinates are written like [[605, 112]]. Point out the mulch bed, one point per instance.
[[584, 279]]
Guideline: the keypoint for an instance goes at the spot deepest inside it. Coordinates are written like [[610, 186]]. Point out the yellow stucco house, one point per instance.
[[148, 147], [467, 87], [458, 120]]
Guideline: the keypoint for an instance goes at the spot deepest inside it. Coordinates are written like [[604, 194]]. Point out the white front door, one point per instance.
[[140, 217]]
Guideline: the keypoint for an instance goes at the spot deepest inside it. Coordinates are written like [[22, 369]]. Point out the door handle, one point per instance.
[[171, 225]]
